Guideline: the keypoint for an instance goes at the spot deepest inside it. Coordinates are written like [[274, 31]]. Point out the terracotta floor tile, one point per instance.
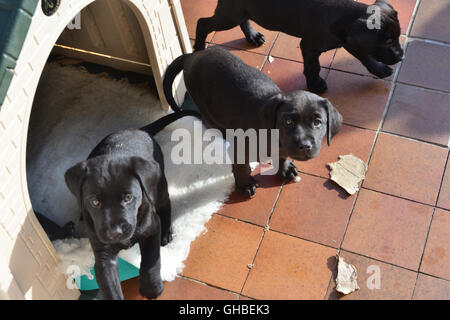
[[389, 229], [221, 255], [288, 47], [405, 9], [290, 268], [185, 289], [235, 38], [360, 100], [431, 20], [430, 288], [394, 283], [257, 209], [348, 140], [179, 289], [313, 209], [419, 113], [426, 65], [252, 59], [288, 75], [436, 259], [444, 195], [194, 10], [130, 289], [344, 61], [405, 168]]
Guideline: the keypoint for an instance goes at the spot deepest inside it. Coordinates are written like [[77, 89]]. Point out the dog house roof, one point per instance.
[[15, 20]]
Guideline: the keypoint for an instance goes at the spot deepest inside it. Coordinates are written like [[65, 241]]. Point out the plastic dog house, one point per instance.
[[136, 35]]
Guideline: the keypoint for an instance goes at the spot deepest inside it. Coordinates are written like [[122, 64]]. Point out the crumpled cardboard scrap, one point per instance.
[[346, 278], [348, 172]]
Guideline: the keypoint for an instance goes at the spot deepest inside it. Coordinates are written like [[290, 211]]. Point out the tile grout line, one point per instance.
[[431, 41], [384, 262], [398, 197], [380, 126], [447, 164], [270, 51], [429, 143], [408, 39], [423, 88], [423, 251], [210, 285], [413, 18], [266, 228]]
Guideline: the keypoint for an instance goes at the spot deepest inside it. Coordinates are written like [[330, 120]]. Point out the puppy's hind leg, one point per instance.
[[254, 37]]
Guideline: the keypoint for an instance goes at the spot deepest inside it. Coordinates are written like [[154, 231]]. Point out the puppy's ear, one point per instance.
[[74, 179], [268, 112], [147, 174], [334, 119], [360, 38]]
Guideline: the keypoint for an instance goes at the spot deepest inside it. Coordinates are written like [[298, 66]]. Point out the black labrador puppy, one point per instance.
[[322, 24], [122, 192], [232, 95]]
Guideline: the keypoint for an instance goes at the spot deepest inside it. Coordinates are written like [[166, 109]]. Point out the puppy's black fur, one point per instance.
[[322, 24], [122, 192], [232, 95]]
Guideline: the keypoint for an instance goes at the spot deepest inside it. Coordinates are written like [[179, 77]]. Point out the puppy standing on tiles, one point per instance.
[[370, 34], [232, 95]]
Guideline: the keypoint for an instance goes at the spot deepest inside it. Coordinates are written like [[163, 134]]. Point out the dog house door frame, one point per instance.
[[28, 260]]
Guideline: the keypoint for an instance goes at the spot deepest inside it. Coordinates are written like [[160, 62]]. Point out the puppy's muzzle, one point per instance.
[[118, 232], [398, 55], [304, 151]]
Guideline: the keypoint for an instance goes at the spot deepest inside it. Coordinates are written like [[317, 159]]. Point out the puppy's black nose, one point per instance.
[[114, 232], [305, 146]]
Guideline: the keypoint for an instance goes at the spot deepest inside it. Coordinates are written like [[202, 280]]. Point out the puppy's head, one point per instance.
[[382, 43], [304, 119], [110, 192]]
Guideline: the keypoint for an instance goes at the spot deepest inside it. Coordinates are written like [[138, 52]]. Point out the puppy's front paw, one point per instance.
[[151, 289], [317, 85], [247, 189], [382, 71], [288, 171], [256, 38]]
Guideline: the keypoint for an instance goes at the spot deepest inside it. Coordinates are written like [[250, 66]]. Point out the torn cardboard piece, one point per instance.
[[348, 172], [346, 278]]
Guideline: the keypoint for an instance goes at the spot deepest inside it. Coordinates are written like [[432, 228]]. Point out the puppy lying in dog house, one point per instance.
[[232, 95], [370, 34]]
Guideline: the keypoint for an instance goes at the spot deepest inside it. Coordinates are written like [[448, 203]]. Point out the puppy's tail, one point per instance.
[[155, 127], [169, 77]]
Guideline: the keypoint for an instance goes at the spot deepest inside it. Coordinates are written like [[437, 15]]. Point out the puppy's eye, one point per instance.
[[127, 198], [95, 203], [288, 122], [389, 42], [317, 122]]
